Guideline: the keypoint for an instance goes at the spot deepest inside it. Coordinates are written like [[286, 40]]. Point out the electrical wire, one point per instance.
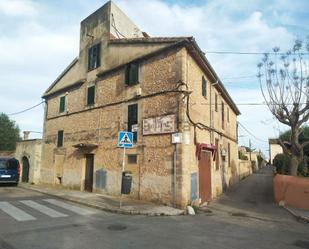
[[28, 109], [246, 53], [250, 133]]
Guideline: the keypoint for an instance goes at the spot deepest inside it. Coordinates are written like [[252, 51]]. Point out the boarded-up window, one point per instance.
[[204, 87], [229, 153], [131, 74], [90, 95], [222, 110], [62, 104], [228, 114], [216, 102], [60, 139], [217, 154], [132, 119], [132, 159], [94, 57]]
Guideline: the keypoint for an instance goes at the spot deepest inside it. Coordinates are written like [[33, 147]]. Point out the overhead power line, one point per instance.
[[246, 53], [250, 133], [28, 109]]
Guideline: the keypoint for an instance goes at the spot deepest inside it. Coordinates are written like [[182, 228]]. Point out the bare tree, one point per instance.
[[284, 82]]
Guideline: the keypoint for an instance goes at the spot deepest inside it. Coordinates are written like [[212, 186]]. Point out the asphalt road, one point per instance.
[[245, 217]]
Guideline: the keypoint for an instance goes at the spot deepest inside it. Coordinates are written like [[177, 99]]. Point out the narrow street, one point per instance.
[[244, 217]]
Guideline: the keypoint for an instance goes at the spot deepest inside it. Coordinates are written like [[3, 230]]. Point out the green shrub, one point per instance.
[[282, 164]]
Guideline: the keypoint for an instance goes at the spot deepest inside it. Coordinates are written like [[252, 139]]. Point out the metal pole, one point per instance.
[[122, 170], [174, 176]]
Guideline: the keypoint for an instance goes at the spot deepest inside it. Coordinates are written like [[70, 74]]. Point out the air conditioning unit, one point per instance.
[[138, 92]]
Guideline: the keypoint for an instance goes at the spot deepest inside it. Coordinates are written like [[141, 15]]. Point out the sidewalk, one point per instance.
[[299, 214], [106, 203]]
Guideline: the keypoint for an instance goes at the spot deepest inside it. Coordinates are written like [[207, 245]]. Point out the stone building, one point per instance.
[[155, 86], [274, 149], [28, 153]]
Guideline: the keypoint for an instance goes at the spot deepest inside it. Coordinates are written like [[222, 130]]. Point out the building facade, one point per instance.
[[274, 149], [124, 80]]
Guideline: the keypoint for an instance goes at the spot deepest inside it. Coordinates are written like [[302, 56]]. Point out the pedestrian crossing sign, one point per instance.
[[125, 139]]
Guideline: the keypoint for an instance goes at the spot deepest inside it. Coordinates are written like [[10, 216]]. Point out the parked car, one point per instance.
[[9, 170]]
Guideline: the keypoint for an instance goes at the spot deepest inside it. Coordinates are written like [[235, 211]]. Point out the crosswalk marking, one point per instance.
[[15, 212], [43, 209], [75, 209]]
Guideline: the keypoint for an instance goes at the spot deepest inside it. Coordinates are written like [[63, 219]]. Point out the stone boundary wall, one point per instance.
[[244, 168], [292, 190]]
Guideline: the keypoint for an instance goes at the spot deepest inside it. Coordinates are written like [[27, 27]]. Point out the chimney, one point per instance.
[[26, 135]]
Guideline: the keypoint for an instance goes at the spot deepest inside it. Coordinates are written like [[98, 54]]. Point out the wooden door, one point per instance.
[[25, 170], [205, 176], [89, 172]]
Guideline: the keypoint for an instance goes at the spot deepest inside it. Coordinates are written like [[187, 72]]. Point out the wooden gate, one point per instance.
[[205, 176]]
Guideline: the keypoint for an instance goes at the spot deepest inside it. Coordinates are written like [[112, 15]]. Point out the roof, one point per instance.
[[60, 76], [273, 141], [148, 40]]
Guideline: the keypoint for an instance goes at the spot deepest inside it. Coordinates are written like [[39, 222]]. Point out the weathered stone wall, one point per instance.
[[31, 149], [99, 124], [202, 109]]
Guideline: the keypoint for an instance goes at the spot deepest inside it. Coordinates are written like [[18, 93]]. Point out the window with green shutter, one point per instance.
[[90, 95], [204, 87], [60, 139], [62, 104], [131, 74], [132, 119]]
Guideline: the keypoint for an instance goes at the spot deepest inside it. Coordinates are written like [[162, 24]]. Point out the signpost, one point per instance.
[[125, 140]]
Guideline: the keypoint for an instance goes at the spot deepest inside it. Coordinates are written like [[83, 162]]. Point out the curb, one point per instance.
[[100, 207], [297, 217]]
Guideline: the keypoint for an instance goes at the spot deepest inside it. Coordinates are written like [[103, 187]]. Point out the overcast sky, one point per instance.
[[39, 38]]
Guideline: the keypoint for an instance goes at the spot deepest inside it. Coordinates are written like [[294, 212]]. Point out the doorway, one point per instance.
[[89, 172], [25, 170], [205, 176]]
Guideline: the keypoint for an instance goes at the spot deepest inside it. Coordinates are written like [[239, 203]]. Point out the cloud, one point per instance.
[[17, 8]]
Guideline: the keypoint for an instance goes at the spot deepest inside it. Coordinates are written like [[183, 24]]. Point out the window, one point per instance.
[[228, 114], [222, 109], [131, 74], [94, 57], [229, 153], [216, 102], [90, 95], [217, 154], [132, 119], [60, 139], [62, 104], [132, 159], [204, 87]]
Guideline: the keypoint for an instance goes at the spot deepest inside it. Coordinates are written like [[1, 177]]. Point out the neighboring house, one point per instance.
[[28, 153], [125, 80], [274, 149]]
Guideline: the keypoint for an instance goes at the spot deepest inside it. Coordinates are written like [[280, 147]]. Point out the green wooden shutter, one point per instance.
[[90, 95], [62, 104], [204, 87], [134, 74], [60, 139], [127, 75]]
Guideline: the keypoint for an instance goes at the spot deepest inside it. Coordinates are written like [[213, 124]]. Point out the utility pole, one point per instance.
[[250, 149]]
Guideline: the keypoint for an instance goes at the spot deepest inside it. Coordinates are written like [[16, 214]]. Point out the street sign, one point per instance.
[[125, 139]]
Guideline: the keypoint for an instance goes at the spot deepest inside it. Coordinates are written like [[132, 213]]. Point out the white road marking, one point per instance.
[[43, 209], [15, 212], [72, 208]]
